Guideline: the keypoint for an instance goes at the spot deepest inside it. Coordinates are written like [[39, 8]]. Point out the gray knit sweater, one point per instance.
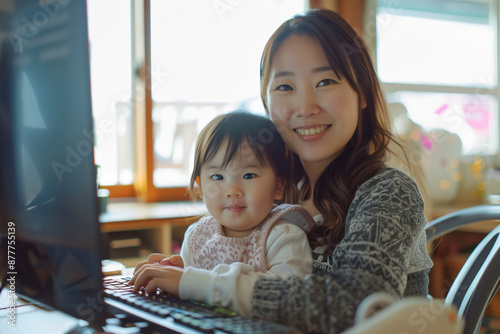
[[383, 249]]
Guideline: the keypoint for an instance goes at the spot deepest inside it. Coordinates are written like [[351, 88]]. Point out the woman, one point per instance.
[[320, 89]]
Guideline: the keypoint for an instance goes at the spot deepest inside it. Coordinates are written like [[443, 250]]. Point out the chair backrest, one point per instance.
[[457, 219], [478, 280]]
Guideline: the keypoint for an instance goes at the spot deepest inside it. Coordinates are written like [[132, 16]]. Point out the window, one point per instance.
[[439, 59], [110, 64], [205, 57], [160, 71]]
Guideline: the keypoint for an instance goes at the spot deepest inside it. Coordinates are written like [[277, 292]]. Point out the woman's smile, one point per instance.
[[309, 131]]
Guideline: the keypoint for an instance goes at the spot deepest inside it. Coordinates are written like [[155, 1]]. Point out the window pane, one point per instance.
[[472, 117], [110, 61], [436, 42], [205, 61]]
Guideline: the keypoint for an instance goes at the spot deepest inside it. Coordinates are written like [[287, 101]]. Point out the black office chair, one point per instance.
[[478, 280]]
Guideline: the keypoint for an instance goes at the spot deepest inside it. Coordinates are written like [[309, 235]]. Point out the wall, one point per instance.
[[351, 10]]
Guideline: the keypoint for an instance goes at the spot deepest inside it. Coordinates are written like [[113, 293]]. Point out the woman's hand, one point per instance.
[[157, 276]]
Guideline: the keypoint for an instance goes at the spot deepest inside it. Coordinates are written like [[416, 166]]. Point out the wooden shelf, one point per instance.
[[161, 218]]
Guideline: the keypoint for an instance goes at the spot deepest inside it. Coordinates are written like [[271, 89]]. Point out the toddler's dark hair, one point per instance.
[[228, 131]]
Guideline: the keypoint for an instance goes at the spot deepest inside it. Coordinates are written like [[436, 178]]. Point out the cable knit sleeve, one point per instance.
[[383, 225]]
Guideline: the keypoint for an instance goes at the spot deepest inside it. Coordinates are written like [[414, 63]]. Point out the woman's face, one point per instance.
[[315, 112]]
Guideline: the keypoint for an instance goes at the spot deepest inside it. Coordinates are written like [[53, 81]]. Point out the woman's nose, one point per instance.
[[307, 104]]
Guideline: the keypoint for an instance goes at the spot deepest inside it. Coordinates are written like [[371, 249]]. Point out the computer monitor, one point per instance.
[[48, 186]]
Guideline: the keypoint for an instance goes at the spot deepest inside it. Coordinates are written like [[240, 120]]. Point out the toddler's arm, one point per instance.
[[231, 286]]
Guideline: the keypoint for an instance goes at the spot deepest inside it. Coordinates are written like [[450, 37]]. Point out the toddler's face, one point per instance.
[[241, 194]]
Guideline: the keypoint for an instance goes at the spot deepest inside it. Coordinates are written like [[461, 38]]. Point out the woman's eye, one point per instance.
[[217, 177], [326, 82], [284, 87], [249, 176]]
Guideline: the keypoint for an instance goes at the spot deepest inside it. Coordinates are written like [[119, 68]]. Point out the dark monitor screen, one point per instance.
[[48, 196]]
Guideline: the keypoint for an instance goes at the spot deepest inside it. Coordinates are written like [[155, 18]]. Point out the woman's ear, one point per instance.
[[362, 102], [280, 189]]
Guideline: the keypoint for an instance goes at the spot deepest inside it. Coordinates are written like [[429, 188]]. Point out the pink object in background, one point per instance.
[[477, 116], [426, 142], [440, 110]]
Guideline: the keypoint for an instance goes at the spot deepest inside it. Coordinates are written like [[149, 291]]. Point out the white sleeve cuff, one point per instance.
[[196, 284], [229, 286]]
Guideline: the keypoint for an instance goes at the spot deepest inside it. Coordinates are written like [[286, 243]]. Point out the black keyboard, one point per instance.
[[175, 314]]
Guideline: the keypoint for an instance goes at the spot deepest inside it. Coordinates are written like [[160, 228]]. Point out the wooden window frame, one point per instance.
[[143, 187]]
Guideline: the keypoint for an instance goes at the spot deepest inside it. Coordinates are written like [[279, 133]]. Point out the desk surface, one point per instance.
[[29, 319], [136, 211]]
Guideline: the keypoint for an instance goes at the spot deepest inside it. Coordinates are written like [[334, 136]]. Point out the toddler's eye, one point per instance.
[[249, 176], [217, 177], [326, 82]]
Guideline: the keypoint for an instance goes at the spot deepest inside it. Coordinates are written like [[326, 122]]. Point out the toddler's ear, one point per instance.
[[280, 189], [198, 194]]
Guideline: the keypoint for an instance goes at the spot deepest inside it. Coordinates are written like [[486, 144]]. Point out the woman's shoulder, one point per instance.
[[389, 177], [390, 173], [393, 195], [390, 184]]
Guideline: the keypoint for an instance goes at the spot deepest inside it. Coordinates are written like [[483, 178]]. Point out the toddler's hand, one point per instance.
[[157, 258], [174, 260], [152, 259]]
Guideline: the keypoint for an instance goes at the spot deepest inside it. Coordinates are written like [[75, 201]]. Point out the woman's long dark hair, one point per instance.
[[366, 152]]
